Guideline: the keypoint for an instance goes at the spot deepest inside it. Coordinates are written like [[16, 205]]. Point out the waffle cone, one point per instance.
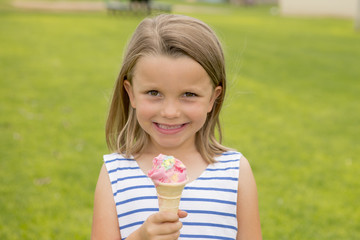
[[169, 195]]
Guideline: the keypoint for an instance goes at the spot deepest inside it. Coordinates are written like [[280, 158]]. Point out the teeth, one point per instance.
[[169, 127]]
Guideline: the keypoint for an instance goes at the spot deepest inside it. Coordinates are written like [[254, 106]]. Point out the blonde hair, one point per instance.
[[175, 36]]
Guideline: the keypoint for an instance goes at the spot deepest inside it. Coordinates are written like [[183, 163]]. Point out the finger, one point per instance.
[[182, 214], [172, 236], [162, 217], [155, 226], [163, 229], [171, 228]]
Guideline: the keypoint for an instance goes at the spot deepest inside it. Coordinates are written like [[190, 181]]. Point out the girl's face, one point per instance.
[[172, 97]]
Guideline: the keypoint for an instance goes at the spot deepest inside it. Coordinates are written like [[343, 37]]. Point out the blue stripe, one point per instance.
[[134, 187], [125, 168], [218, 178], [212, 189], [230, 153], [222, 169], [208, 200], [138, 210], [211, 213], [205, 237], [119, 159], [209, 225], [131, 224], [227, 161], [136, 199], [126, 178]]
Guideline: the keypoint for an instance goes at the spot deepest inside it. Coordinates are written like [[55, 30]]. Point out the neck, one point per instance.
[[181, 153]]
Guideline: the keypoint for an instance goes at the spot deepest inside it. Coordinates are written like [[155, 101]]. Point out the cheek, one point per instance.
[[145, 111], [198, 112]]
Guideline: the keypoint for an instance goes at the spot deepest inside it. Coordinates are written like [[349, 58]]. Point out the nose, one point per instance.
[[170, 109]]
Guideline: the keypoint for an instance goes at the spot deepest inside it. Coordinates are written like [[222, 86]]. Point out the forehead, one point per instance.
[[171, 71]]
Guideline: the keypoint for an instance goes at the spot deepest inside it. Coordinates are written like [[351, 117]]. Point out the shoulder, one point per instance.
[[246, 176], [236, 158], [113, 157], [229, 159], [229, 156], [245, 165], [115, 160]]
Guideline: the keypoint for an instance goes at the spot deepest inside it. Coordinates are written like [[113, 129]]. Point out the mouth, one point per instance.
[[169, 129]]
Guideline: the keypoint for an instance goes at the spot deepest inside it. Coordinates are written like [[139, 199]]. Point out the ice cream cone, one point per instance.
[[169, 195]]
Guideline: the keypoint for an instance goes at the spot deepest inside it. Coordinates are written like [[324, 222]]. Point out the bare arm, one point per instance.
[[105, 223], [247, 204]]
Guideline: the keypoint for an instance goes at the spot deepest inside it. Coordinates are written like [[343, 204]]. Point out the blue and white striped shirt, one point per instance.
[[210, 200]]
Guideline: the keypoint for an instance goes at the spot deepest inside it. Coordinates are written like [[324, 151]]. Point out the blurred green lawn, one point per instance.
[[292, 110]]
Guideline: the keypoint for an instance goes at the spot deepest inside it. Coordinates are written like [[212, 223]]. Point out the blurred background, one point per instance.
[[292, 108]]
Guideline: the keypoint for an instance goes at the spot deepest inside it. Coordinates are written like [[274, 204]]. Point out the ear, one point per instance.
[[129, 90], [216, 93]]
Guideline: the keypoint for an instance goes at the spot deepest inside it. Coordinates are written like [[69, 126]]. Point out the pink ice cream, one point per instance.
[[167, 169]]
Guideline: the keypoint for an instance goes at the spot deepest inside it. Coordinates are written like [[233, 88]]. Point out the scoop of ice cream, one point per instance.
[[167, 169]]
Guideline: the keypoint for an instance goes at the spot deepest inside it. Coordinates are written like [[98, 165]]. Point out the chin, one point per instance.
[[168, 144]]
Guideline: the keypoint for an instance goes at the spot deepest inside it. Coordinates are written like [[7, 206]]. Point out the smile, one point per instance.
[[169, 129], [169, 126]]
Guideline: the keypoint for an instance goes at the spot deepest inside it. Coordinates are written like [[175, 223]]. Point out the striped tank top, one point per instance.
[[210, 200]]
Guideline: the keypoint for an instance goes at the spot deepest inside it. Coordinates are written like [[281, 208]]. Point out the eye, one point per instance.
[[190, 94], [153, 93]]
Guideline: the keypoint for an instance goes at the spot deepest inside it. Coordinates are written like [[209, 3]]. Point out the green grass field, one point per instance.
[[292, 109]]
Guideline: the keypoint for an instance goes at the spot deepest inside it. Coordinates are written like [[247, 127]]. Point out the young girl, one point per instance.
[[167, 100]]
